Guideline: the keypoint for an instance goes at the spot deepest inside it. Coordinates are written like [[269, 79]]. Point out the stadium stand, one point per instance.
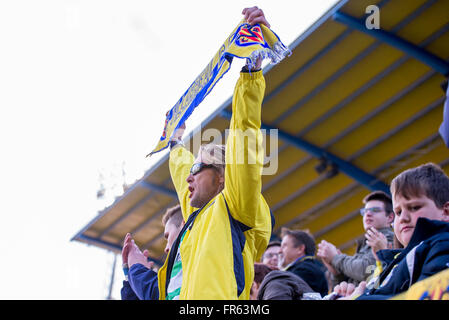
[[353, 108]]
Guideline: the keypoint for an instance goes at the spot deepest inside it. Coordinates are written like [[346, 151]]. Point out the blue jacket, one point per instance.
[[426, 254], [127, 292], [142, 284]]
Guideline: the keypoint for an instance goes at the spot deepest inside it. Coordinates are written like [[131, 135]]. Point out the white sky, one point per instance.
[[84, 86]]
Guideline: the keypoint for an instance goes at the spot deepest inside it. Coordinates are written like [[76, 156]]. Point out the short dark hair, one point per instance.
[[260, 271], [427, 179], [380, 196], [175, 215], [273, 244], [301, 237]]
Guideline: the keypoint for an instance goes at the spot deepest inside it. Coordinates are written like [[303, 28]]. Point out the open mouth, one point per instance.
[[191, 191]]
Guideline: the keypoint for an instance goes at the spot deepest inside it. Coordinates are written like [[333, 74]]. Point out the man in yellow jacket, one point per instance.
[[228, 222]]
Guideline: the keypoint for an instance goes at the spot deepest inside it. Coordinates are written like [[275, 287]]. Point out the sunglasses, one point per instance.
[[197, 167], [372, 210]]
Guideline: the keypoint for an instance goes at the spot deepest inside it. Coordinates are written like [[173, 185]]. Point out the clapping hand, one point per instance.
[[326, 252], [376, 240], [131, 254]]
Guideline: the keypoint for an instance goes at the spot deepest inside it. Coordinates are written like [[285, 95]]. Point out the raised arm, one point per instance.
[[181, 161], [244, 152]]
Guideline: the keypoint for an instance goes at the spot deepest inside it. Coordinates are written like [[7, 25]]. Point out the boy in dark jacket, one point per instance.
[[421, 224]]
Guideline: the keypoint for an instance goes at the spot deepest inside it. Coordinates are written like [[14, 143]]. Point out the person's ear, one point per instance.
[[446, 212], [390, 217], [221, 179], [302, 249]]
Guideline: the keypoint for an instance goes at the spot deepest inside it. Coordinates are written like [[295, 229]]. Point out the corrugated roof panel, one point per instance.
[[335, 211], [375, 95], [431, 20], [402, 141], [287, 158], [352, 228], [332, 94], [304, 52], [440, 46], [295, 181], [394, 12], [151, 232], [311, 197], [438, 154], [344, 52], [120, 207], [394, 115], [160, 175], [357, 8], [140, 215]]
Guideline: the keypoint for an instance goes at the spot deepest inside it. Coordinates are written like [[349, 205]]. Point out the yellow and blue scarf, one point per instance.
[[246, 41]]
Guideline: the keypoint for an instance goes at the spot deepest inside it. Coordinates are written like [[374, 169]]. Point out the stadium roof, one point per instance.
[[354, 107]]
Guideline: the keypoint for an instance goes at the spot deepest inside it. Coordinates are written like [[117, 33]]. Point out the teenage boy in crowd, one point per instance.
[[421, 206], [377, 218]]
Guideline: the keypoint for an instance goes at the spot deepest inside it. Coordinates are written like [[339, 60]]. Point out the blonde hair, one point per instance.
[[175, 213], [214, 154]]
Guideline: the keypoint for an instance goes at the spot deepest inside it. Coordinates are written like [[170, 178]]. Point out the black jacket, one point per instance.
[[311, 271], [426, 254]]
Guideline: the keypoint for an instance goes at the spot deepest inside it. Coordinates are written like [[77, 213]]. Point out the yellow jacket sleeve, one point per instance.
[[244, 152], [181, 160]]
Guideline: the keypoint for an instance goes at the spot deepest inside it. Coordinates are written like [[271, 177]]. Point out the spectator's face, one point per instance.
[[407, 212], [204, 185], [288, 252], [171, 232], [375, 218], [271, 256]]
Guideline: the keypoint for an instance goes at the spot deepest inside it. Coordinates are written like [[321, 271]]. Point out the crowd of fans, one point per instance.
[[218, 237], [386, 262]]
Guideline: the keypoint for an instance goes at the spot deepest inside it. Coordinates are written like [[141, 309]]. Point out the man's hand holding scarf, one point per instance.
[[251, 40]]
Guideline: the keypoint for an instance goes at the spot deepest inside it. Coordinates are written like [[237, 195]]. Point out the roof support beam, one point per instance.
[[95, 241], [111, 246], [139, 204], [125, 215], [157, 188], [405, 46], [367, 180]]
